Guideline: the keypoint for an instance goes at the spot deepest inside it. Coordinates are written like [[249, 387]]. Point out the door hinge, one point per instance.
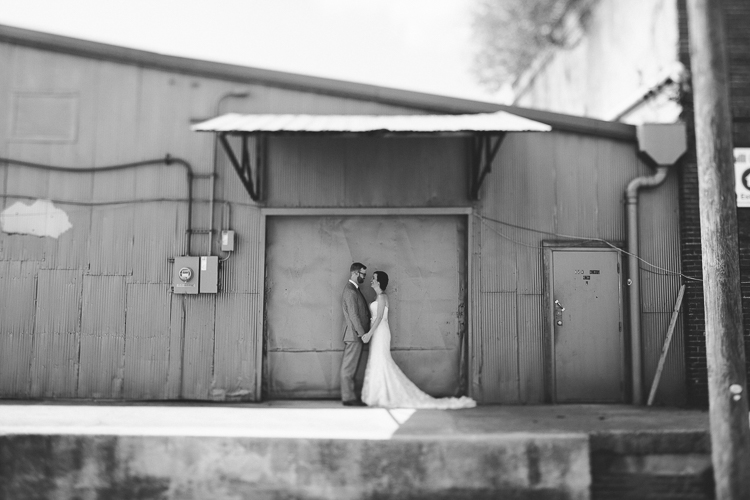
[[618, 268]]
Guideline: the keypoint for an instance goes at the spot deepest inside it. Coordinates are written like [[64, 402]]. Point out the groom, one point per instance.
[[356, 324]]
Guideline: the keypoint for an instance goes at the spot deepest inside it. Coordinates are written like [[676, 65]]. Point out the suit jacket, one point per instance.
[[356, 313]]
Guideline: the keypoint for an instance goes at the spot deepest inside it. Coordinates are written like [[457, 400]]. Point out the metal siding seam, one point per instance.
[[102, 337], [529, 265], [500, 336], [490, 375], [176, 339], [198, 342], [58, 309], [236, 372], [531, 348], [260, 308], [147, 320], [17, 310], [470, 330], [477, 344]]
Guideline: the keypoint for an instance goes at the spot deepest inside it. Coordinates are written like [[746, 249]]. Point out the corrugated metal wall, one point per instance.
[[90, 314], [552, 185], [105, 324], [367, 172]]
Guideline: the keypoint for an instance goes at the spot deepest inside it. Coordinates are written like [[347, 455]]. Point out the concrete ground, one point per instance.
[[319, 449], [329, 420]]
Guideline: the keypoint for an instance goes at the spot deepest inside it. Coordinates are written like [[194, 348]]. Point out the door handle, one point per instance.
[[558, 313]]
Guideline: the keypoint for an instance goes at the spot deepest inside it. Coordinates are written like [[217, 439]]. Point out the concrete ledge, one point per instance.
[[514, 466], [652, 442], [318, 449]]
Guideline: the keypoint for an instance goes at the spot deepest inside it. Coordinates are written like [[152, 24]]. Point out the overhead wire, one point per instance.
[[169, 160], [580, 238]]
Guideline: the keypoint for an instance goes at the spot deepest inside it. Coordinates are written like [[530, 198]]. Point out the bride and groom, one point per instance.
[[385, 384]]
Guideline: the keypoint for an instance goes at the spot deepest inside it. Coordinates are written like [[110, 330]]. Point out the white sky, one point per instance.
[[422, 45]]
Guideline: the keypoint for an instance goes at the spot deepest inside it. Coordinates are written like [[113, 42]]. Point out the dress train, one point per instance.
[[387, 386]]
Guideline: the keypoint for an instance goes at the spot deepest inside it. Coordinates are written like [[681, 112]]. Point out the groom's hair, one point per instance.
[[382, 279], [357, 266]]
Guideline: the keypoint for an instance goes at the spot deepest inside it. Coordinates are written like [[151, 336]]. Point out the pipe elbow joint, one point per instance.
[[645, 182]]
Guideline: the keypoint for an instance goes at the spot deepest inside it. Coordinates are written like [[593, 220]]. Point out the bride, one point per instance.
[[385, 384]]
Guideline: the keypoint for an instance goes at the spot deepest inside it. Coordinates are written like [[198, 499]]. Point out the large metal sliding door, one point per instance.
[[307, 264]]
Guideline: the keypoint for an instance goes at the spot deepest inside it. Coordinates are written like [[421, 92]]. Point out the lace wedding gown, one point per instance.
[[386, 385]]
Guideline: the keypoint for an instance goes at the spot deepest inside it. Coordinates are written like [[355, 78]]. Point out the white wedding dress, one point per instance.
[[386, 385]]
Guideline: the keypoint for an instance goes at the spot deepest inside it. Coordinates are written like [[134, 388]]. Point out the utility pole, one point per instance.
[[725, 353]]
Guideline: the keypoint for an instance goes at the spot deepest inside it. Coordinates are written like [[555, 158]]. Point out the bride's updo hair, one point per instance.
[[382, 279]]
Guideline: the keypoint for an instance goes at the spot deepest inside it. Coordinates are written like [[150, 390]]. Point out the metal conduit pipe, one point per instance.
[[239, 94], [167, 160], [631, 194]]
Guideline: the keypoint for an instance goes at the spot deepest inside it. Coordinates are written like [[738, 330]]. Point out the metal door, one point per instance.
[[586, 312], [307, 264]]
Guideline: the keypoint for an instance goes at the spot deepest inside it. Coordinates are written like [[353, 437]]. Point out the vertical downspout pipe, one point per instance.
[[631, 194]]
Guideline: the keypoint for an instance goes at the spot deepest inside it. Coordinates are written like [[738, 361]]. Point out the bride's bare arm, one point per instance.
[[379, 315], [376, 320]]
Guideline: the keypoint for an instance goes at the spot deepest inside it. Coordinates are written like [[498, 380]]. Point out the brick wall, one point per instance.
[[738, 44]]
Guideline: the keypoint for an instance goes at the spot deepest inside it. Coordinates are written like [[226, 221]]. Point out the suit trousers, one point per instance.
[[349, 364]]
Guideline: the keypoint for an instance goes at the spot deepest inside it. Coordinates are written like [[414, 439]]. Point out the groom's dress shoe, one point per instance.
[[353, 403]]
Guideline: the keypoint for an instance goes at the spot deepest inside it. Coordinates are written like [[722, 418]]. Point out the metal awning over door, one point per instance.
[[486, 129], [370, 124]]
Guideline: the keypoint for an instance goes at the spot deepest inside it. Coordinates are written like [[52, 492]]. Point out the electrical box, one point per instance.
[[227, 241], [209, 274], [185, 275]]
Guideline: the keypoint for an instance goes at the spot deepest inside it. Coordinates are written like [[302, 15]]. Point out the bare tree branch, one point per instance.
[[512, 33]]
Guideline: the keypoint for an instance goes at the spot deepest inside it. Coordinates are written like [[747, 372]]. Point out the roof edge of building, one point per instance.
[[340, 88]]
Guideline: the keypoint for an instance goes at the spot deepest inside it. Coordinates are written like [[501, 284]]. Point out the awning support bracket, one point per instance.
[[483, 154], [249, 177]]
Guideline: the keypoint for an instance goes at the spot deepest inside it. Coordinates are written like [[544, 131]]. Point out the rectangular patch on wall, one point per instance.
[[44, 116]]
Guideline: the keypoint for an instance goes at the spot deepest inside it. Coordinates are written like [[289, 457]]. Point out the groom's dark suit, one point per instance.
[[356, 324]]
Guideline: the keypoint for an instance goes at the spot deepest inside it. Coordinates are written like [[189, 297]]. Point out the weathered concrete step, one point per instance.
[[664, 465], [309, 449], [509, 466]]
